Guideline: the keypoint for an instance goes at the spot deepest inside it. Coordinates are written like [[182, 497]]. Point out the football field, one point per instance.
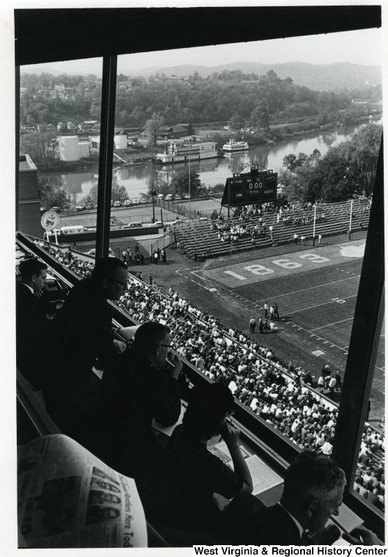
[[316, 291]]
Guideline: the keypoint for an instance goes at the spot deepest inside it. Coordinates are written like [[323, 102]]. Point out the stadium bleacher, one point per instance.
[[200, 239]]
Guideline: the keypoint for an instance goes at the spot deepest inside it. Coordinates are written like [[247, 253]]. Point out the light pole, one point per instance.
[[350, 219], [189, 180], [153, 193], [314, 221]]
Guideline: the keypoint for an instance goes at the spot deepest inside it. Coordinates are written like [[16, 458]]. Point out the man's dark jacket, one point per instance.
[[81, 333], [133, 394], [251, 523], [31, 336]]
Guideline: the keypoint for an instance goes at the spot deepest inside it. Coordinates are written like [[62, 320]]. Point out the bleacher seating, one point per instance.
[[198, 240]]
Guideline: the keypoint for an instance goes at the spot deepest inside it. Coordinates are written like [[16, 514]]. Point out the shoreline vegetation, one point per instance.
[[277, 133]]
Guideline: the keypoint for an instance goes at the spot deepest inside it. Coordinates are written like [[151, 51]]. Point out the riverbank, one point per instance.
[[142, 155]]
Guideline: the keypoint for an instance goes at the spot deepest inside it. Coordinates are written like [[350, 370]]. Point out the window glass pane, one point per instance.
[[60, 107], [302, 251], [370, 479]]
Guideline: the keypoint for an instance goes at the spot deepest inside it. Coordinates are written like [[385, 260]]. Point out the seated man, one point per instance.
[[313, 490], [31, 322], [192, 474], [80, 334], [141, 386]]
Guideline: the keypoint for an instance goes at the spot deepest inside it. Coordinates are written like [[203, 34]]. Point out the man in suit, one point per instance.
[[81, 334], [313, 490], [31, 322], [140, 387]]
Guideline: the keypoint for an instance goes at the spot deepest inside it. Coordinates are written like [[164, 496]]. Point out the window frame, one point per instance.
[[37, 42]]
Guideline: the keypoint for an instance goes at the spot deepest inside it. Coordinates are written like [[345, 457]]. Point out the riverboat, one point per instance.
[[234, 146], [187, 151]]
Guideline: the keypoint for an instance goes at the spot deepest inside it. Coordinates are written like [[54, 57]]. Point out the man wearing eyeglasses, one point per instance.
[[81, 334], [142, 387]]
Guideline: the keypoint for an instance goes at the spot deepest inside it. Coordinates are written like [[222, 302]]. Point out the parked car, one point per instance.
[[80, 207], [133, 225], [169, 197], [160, 196], [135, 201], [127, 203], [116, 204], [177, 196]]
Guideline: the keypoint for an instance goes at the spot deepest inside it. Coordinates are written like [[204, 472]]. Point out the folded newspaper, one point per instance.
[[68, 498]]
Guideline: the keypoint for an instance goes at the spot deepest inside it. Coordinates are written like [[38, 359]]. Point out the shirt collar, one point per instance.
[[29, 287]]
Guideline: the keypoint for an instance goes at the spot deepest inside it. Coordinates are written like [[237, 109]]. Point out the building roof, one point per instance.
[[26, 163]]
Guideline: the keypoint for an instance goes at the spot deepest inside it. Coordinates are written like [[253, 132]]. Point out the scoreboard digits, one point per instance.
[[248, 189]]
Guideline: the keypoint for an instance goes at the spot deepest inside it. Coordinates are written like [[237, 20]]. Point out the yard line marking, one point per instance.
[[201, 285], [317, 306], [197, 275], [235, 275], [309, 288], [330, 324], [322, 340]]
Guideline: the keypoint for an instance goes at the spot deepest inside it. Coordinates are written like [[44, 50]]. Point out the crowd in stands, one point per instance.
[[281, 395], [253, 226]]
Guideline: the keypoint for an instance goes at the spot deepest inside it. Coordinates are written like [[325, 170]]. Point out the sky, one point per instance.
[[358, 47]]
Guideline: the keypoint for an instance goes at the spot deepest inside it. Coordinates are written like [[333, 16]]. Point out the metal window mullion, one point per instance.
[[108, 103], [364, 339], [17, 144]]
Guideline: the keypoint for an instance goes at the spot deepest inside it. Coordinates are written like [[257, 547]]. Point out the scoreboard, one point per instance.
[[250, 188]]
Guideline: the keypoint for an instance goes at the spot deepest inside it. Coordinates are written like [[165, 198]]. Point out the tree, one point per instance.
[[40, 146], [180, 183], [52, 193], [363, 156], [119, 193], [332, 174], [92, 196], [291, 161], [152, 128], [294, 188], [236, 122], [33, 145], [315, 157], [259, 118]]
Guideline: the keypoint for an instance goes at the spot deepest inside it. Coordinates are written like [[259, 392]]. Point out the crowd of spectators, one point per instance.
[[270, 223], [281, 395], [232, 231]]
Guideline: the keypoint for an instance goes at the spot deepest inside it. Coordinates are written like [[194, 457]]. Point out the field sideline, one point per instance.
[[315, 289]]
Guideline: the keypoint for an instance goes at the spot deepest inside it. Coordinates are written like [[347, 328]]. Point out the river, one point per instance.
[[212, 171]]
